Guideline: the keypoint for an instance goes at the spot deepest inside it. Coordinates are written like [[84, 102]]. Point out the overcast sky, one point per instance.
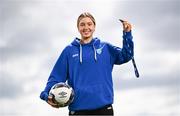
[[34, 32]]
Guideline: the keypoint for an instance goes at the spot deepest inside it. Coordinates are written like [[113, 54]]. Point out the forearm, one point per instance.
[[128, 46]]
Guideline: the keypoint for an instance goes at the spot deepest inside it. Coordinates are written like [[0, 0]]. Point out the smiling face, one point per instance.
[[86, 28]]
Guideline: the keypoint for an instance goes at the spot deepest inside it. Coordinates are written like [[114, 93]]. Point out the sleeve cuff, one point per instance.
[[44, 96], [127, 33], [127, 36]]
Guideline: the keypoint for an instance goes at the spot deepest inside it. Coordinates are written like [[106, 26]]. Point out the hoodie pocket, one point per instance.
[[92, 96], [84, 92]]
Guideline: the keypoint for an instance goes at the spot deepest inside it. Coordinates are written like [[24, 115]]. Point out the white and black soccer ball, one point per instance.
[[62, 94]]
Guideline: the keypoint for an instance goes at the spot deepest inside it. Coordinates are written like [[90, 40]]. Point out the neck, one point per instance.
[[86, 40]]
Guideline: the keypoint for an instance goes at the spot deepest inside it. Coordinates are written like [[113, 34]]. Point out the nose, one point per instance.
[[86, 26]]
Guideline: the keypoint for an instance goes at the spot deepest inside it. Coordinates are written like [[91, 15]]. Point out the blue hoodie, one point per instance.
[[88, 70]]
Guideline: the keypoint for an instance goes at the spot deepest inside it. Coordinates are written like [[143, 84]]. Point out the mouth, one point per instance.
[[86, 32]]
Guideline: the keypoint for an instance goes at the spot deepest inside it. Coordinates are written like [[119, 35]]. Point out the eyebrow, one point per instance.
[[85, 22]]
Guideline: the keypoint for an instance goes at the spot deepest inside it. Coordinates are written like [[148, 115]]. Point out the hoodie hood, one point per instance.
[[94, 43]]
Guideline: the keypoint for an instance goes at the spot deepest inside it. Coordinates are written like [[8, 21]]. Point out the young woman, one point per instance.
[[87, 64]]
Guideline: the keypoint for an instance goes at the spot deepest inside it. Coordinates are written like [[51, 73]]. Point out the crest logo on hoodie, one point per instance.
[[99, 50]]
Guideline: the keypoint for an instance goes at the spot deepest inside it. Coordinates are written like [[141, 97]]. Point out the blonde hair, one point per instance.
[[85, 14]]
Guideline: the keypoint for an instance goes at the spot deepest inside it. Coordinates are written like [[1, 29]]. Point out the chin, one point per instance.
[[86, 37]]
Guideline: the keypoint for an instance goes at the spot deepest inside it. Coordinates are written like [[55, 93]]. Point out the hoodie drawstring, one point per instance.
[[95, 55], [80, 56]]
